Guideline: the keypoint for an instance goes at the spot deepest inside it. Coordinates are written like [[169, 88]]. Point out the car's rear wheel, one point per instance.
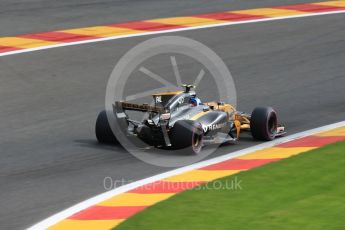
[[263, 123], [187, 135], [103, 130]]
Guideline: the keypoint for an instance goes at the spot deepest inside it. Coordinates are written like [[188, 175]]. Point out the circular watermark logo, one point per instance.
[[160, 66]]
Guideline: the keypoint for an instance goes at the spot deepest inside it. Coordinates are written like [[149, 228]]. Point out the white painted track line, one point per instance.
[[168, 31]]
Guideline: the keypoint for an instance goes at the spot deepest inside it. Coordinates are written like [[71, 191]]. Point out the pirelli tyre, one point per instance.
[[103, 131], [187, 135], [263, 123]]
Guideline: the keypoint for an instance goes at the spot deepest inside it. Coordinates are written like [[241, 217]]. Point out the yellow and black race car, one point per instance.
[[179, 120]]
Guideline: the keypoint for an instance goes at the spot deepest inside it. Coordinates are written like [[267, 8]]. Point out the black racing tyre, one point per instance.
[[103, 130], [263, 123], [187, 135]]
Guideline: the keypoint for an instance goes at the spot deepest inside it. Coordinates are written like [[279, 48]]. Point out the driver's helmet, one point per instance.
[[194, 101]]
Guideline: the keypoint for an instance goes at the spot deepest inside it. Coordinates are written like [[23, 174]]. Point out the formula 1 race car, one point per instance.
[[179, 120]]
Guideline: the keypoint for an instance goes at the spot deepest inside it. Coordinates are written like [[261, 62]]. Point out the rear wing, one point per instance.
[[120, 107], [138, 107]]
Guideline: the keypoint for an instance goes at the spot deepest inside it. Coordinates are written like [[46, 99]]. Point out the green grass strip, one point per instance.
[[302, 192]]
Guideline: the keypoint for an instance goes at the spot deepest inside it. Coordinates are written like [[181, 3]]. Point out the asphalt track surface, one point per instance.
[[49, 101]]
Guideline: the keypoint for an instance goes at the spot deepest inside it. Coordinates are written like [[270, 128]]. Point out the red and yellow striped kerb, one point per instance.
[[46, 39], [111, 212]]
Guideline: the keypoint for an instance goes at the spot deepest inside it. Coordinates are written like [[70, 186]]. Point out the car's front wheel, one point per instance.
[[263, 123]]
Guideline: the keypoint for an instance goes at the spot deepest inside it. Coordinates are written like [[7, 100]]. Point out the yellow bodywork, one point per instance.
[[241, 121], [167, 93]]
